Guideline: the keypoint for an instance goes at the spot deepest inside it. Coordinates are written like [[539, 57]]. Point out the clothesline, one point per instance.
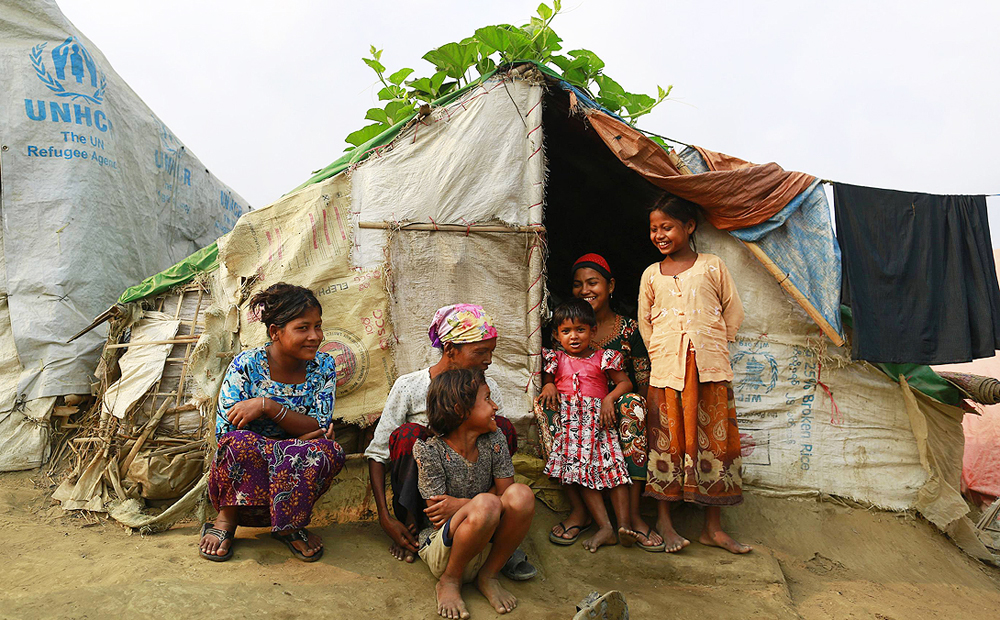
[[829, 182]]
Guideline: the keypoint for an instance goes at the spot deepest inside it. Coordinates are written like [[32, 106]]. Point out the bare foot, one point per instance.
[[721, 539], [502, 600], [674, 541], [211, 544], [401, 554], [311, 547], [449, 598], [604, 536], [627, 537]]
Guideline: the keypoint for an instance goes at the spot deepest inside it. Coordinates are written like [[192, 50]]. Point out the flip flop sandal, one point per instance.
[[565, 542], [223, 536], [302, 535], [518, 568], [651, 548]]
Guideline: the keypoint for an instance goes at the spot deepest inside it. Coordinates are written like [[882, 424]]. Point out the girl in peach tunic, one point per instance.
[[688, 312]]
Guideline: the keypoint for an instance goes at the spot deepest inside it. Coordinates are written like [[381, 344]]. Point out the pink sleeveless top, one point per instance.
[[582, 376]]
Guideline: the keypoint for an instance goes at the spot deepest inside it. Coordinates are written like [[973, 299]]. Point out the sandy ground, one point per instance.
[[813, 560]]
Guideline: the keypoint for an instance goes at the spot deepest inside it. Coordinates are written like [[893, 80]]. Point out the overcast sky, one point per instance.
[[901, 95]]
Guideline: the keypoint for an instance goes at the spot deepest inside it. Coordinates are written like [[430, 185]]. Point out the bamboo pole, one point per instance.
[[125, 345], [472, 228], [150, 427], [796, 294]]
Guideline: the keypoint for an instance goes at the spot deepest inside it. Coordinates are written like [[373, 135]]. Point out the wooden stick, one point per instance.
[[796, 294], [146, 342], [476, 228], [150, 427], [102, 317], [195, 445]]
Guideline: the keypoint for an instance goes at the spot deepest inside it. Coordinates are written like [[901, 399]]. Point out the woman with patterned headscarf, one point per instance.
[[467, 337]]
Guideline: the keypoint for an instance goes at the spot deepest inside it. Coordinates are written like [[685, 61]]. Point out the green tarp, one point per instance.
[[205, 259]]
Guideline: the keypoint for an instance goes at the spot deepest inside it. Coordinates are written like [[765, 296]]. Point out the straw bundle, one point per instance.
[[983, 390]]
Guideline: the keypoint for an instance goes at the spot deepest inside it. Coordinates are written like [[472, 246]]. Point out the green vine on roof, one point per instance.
[[459, 64]]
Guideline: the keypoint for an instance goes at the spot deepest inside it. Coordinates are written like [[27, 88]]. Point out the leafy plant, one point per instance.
[[458, 64]]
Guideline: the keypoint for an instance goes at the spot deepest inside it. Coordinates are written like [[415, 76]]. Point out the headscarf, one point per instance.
[[461, 324], [595, 262]]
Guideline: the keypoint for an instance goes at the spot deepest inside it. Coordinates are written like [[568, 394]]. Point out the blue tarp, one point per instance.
[[800, 241]]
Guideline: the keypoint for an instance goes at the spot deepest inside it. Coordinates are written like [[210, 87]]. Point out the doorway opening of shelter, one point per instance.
[[594, 203]]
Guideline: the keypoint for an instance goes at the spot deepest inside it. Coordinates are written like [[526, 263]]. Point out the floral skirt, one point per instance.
[[275, 482], [583, 452], [630, 415], [694, 443]]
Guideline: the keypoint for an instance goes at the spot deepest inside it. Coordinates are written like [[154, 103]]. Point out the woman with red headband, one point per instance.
[[593, 282]]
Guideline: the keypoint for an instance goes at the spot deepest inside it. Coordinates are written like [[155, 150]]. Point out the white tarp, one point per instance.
[[477, 160], [97, 194]]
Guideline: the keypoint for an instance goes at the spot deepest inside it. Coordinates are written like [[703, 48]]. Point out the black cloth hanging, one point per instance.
[[918, 274]]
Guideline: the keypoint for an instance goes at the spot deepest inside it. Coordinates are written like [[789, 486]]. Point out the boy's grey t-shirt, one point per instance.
[[442, 471]]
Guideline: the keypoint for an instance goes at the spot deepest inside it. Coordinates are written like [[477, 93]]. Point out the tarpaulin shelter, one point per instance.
[[490, 197], [97, 193]]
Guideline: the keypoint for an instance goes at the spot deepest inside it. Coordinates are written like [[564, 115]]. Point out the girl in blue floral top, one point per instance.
[[277, 453]]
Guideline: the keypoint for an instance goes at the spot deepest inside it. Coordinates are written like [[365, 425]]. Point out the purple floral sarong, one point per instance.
[[275, 482]]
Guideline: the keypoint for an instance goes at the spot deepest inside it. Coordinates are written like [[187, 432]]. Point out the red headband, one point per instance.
[[595, 262]]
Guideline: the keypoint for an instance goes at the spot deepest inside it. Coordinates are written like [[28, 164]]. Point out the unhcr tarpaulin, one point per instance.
[[97, 193]]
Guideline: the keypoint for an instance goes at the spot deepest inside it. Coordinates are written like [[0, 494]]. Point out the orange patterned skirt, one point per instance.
[[694, 443]]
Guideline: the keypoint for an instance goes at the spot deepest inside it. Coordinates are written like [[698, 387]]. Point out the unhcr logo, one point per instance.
[[76, 75]]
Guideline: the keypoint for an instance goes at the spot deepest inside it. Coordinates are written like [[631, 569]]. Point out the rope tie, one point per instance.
[[836, 418]]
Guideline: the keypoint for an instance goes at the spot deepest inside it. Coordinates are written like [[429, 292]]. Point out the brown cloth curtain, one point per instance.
[[735, 194]]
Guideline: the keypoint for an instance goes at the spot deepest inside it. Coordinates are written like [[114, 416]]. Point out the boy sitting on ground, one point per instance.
[[466, 476]]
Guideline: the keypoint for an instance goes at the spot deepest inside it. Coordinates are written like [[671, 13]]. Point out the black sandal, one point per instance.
[[518, 568], [302, 535], [565, 542], [222, 535]]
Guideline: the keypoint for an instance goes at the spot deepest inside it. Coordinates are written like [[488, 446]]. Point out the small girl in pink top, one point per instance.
[[585, 449]]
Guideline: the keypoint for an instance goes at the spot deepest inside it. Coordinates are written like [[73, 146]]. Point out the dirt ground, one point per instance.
[[813, 560]]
